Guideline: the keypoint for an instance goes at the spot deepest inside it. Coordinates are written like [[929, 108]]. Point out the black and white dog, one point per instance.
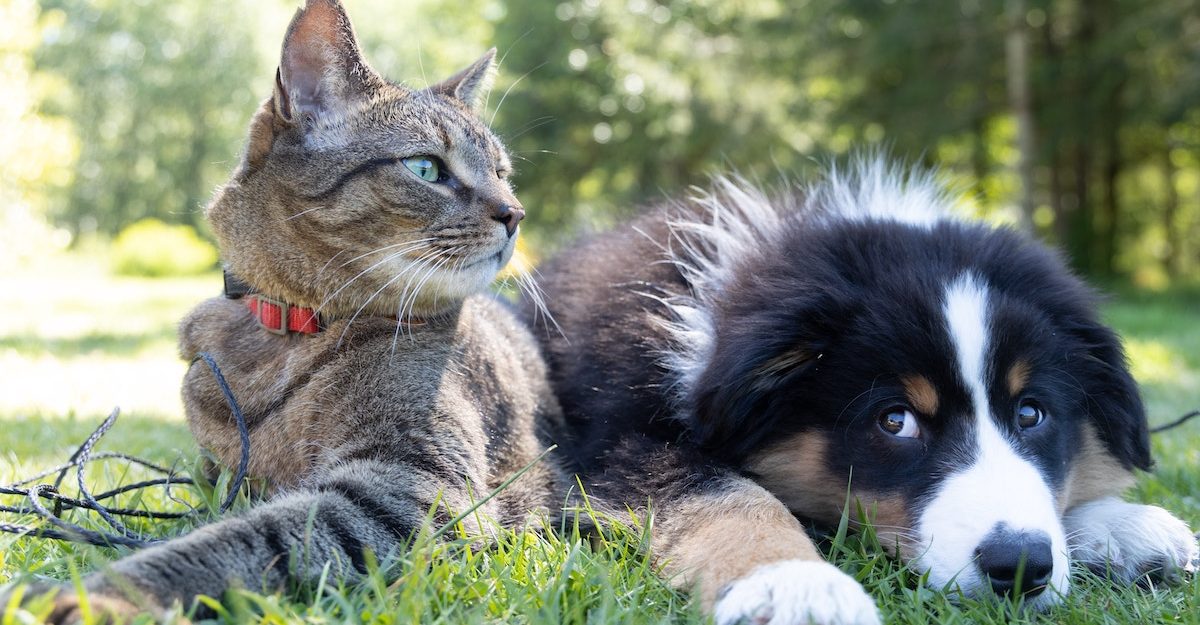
[[739, 360]]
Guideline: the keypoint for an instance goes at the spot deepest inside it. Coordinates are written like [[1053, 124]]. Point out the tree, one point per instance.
[[159, 95]]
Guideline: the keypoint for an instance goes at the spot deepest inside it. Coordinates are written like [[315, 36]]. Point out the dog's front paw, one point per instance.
[[1126, 540], [67, 608], [796, 592]]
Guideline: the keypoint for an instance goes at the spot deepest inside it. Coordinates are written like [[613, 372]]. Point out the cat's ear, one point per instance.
[[321, 71], [469, 85]]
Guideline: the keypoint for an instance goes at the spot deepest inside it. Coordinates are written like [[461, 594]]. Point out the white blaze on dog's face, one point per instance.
[[995, 516]]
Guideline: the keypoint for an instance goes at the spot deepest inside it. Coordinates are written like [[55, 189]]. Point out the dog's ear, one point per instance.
[[1114, 404], [735, 401]]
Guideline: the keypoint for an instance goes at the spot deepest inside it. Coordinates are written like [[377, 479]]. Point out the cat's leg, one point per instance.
[[357, 507], [725, 537], [250, 361], [1127, 540]]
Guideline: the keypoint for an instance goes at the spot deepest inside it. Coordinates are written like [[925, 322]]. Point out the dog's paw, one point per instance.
[[1126, 540], [796, 592], [67, 608]]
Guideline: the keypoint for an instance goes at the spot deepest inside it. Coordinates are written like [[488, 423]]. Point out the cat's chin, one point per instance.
[[447, 286]]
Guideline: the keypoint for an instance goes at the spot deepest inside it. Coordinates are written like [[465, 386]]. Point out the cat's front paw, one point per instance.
[[796, 592], [1126, 540]]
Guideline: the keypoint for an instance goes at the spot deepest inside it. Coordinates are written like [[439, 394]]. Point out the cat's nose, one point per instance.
[[508, 215]]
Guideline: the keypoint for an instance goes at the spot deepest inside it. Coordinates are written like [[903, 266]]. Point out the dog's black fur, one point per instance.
[[864, 296], [822, 318]]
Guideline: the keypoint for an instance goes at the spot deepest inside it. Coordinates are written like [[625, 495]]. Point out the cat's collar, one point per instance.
[[275, 315]]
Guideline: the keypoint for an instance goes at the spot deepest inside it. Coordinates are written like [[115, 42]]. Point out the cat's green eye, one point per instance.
[[427, 168]]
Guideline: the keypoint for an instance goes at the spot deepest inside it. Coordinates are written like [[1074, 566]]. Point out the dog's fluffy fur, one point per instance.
[[743, 358]]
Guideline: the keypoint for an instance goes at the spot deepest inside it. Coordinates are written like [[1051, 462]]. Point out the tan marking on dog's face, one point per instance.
[[796, 472], [1018, 377], [890, 518], [1094, 474], [920, 392], [715, 539]]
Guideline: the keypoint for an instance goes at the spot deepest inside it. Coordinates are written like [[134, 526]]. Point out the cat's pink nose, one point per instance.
[[510, 216]]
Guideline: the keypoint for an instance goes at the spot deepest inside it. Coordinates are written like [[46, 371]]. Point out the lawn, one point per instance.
[[75, 342]]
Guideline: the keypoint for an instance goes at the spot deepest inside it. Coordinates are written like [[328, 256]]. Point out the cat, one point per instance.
[[378, 212]]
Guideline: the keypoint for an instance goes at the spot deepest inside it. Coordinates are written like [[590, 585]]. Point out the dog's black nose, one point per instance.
[[1016, 561]]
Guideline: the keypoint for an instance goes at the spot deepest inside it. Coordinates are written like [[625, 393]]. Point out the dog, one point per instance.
[[742, 359]]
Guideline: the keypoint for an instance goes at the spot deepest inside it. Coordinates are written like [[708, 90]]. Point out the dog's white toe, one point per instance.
[[1127, 540], [796, 592]]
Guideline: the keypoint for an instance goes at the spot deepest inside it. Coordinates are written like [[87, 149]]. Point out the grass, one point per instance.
[[76, 341]]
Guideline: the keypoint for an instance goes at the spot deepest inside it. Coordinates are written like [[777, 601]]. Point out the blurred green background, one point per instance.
[[1080, 118]]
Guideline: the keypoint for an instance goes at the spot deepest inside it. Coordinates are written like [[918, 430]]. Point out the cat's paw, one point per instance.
[[796, 592], [1126, 540]]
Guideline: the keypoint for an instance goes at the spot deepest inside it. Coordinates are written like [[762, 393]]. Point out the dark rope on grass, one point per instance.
[[81, 458], [243, 431], [1176, 423], [71, 532], [75, 533], [100, 455]]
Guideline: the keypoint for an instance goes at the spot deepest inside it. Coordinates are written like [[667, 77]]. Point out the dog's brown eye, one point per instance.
[[901, 422], [1030, 415]]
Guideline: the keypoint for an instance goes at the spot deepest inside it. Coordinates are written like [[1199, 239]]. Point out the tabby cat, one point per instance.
[[376, 211]]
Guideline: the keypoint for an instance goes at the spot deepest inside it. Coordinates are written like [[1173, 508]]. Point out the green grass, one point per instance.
[[75, 342]]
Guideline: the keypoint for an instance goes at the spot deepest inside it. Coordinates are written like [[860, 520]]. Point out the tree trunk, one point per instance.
[[1052, 56], [1017, 62], [1116, 76], [1082, 238], [1172, 233]]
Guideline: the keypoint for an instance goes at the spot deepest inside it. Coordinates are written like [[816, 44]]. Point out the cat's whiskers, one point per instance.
[[385, 248], [305, 212], [537, 122], [528, 285], [510, 88], [519, 152], [437, 295], [416, 291], [400, 324], [487, 98], [381, 289], [331, 259], [364, 272], [412, 285], [421, 64]]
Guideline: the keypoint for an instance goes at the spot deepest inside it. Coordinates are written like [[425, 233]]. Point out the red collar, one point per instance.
[[279, 317], [273, 315]]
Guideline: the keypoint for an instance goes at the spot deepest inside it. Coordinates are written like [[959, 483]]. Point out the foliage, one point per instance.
[[154, 249], [610, 104], [28, 175], [159, 94]]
